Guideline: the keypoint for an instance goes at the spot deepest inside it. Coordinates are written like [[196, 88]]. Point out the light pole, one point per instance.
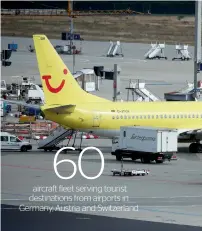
[[115, 83], [197, 45], [74, 53], [70, 5]]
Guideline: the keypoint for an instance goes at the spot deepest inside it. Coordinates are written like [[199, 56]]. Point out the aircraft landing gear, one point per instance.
[[74, 133], [80, 149], [195, 148]]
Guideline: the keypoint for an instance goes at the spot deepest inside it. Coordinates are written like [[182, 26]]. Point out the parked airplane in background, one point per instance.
[[70, 106]]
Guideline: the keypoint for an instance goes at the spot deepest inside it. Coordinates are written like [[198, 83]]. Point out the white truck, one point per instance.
[[34, 93], [12, 142], [145, 143]]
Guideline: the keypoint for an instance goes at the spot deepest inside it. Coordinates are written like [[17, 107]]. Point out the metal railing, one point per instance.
[[63, 12], [34, 12], [29, 130]]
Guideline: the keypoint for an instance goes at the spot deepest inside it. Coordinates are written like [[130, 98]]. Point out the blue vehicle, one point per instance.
[[13, 46], [32, 111]]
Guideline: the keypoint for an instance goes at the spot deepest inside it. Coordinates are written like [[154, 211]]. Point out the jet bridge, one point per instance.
[[141, 92], [156, 51], [182, 53], [115, 49]]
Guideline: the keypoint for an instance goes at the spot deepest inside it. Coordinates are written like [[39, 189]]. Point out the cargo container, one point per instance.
[[145, 143]]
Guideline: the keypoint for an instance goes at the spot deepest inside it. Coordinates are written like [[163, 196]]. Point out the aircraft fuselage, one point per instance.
[[105, 119]]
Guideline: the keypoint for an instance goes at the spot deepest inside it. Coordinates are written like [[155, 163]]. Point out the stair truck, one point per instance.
[[145, 143]]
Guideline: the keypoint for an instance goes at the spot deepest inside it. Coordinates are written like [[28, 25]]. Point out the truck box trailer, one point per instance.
[[145, 143]]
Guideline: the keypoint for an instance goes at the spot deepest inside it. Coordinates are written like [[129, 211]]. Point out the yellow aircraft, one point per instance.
[[72, 107]]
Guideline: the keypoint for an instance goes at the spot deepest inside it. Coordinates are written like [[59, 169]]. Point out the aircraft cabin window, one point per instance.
[[197, 116], [145, 117], [117, 117], [161, 116], [113, 117], [129, 117], [170, 116], [152, 116], [133, 117], [193, 116], [136, 117], [178, 116], [185, 116], [165, 116], [189, 116], [148, 116], [125, 117], [157, 116], [121, 117], [181, 116]]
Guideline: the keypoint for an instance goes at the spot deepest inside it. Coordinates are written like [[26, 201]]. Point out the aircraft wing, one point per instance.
[[190, 134], [22, 103], [64, 109], [189, 131], [61, 109]]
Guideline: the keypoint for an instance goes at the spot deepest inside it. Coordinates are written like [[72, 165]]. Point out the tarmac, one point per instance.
[[60, 220], [161, 75], [171, 193]]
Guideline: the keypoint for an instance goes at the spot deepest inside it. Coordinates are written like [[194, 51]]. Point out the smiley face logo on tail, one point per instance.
[[54, 89]]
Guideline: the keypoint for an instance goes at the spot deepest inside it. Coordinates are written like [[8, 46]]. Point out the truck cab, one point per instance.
[[115, 144], [12, 142]]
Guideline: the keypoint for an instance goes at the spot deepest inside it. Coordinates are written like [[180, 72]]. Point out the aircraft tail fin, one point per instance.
[[59, 85]]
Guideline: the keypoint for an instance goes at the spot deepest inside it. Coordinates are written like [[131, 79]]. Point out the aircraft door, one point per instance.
[[96, 119]]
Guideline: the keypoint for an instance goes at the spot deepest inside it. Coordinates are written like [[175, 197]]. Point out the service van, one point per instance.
[[12, 142]]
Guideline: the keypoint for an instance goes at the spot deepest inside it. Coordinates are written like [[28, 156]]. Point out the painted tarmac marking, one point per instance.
[[171, 212], [42, 169], [167, 197], [105, 174]]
